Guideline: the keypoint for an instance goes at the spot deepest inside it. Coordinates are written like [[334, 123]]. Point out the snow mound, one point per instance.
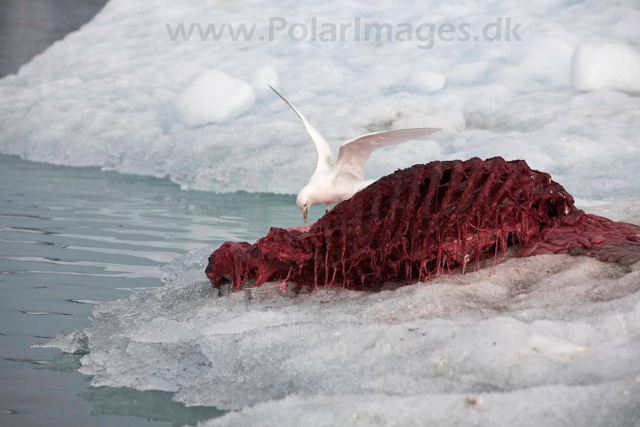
[[427, 82], [552, 334], [104, 96], [605, 66], [213, 97]]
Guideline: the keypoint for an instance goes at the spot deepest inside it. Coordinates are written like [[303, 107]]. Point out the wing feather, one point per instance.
[[354, 153], [325, 161]]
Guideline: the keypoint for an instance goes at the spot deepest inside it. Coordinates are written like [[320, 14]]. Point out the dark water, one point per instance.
[[28, 27], [72, 237]]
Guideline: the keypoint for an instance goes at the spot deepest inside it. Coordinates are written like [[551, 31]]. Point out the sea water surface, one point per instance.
[[73, 237]]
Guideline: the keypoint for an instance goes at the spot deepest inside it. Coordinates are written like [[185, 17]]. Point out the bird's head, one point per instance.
[[305, 201]]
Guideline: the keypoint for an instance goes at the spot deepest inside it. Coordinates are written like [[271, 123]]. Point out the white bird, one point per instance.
[[336, 180]]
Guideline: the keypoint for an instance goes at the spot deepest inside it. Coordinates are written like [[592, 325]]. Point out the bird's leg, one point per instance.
[[326, 211]]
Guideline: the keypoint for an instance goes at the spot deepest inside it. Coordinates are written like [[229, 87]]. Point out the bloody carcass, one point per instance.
[[418, 222]]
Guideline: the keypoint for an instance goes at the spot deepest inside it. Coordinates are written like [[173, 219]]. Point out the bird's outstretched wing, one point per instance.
[[325, 161], [354, 153]]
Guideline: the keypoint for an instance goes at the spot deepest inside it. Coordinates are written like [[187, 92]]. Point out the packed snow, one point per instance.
[[613, 404], [120, 94]]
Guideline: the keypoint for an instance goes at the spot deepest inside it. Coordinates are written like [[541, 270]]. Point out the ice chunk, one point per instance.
[[426, 81], [73, 342], [213, 97], [606, 66]]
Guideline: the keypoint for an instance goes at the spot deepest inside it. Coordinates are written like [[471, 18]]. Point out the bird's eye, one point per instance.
[[305, 205]]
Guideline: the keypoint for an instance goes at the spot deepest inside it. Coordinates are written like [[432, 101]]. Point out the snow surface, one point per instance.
[[547, 340], [105, 95], [603, 65]]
